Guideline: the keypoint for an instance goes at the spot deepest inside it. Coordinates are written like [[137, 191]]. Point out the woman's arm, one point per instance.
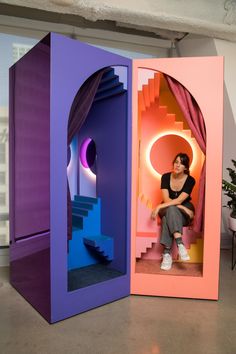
[[165, 195], [168, 202], [188, 211]]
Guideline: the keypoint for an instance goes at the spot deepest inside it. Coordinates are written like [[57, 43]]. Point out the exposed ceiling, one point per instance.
[[172, 19]]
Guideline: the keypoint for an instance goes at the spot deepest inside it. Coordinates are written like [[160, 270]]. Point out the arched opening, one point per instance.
[[97, 246], [163, 131]]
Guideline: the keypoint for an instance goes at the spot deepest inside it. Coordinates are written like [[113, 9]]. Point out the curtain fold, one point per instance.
[[195, 120], [78, 114]]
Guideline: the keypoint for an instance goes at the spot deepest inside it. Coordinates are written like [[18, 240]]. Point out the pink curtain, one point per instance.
[[195, 120]]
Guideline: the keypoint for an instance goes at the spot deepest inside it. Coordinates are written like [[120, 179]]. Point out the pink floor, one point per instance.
[[153, 267]]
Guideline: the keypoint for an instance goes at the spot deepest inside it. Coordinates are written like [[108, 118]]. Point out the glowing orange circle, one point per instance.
[[164, 150]]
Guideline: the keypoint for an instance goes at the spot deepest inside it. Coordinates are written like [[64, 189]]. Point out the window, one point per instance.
[[2, 153], [4, 233], [2, 199], [3, 132], [3, 240], [19, 50], [3, 223], [2, 178]]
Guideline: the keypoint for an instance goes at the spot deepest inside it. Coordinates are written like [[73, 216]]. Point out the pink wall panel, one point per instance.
[[203, 77]]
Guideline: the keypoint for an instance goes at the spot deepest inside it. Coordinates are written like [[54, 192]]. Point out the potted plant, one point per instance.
[[230, 189]]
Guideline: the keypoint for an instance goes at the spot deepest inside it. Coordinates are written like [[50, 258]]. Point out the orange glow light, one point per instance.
[[170, 132]]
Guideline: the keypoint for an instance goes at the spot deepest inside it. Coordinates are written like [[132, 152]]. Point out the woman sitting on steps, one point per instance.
[[176, 210]]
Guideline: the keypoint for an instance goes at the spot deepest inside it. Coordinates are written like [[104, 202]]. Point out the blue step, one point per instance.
[[77, 221], [114, 87], [109, 85], [79, 211], [88, 206], [81, 198], [80, 255], [107, 79], [102, 244], [110, 72], [108, 94]]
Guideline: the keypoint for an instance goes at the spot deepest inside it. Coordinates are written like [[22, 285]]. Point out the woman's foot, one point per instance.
[[183, 253], [166, 262]]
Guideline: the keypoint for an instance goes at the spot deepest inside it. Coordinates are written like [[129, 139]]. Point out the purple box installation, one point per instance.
[[70, 133]]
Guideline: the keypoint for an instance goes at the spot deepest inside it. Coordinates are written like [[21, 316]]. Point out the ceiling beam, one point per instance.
[[170, 19]]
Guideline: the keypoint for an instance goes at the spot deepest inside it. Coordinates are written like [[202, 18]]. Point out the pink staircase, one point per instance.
[[145, 241], [154, 119]]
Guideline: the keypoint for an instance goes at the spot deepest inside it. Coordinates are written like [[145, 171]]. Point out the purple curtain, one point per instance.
[[78, 113], [195, 120]]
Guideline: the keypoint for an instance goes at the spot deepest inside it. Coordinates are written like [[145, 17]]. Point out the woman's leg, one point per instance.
[[166, 240], [175, 222], [166, 236]]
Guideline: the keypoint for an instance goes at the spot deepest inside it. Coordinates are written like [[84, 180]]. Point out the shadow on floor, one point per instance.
[[178, 268], [93, 274]]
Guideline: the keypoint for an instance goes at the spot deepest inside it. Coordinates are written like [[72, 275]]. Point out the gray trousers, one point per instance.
[[173, 220]]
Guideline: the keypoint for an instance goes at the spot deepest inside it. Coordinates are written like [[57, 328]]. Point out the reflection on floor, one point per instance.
[[96, 273], [178, 268], [133, 325]]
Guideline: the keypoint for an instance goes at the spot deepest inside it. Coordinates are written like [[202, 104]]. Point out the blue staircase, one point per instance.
[[101, 244], [88, 245], [109, 86]]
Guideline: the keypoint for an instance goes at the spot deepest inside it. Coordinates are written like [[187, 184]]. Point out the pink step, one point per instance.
[[141, 102], [170, 119], [179, 125], [162, 111], [157, 84], [143, 244], [187, 132], [144, 223], [151, 90], [146, 95], [155, 252]]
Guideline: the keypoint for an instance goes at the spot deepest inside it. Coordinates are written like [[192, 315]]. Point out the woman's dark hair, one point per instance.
[[184, 161]]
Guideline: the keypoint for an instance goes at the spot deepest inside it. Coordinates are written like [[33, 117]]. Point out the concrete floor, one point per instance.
[[134, 325]]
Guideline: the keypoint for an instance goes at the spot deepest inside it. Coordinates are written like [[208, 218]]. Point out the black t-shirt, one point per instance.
[[187, 187]]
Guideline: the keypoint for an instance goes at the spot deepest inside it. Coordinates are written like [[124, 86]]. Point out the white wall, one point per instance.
[[192, 46], [211, 47], [228, 50]]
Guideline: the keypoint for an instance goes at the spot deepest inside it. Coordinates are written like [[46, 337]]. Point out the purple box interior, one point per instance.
[[106, 124]]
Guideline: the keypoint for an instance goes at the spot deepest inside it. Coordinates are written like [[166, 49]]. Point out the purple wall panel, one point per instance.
[[29, 177], [72, 63], [31, 142], [106, 124], [30, 271]]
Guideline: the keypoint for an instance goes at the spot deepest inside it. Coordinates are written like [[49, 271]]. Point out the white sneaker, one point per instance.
[[183, 253], [166, 262]]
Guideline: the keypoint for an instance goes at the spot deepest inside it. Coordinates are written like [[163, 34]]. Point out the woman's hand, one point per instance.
[[189, 212], [155, 213]]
